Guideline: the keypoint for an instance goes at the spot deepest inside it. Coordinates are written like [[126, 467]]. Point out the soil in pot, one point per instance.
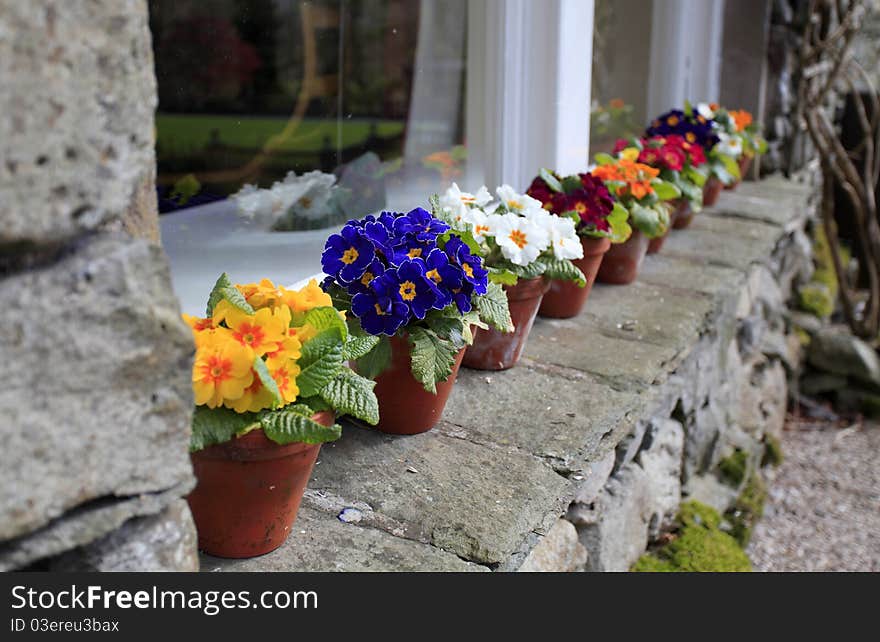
[[248, 492], [494, 350], [711, 191], [621, 263], [405, 407], [565, 299]]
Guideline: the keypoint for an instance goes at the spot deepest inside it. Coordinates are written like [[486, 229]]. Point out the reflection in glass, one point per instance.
[[308, 113]]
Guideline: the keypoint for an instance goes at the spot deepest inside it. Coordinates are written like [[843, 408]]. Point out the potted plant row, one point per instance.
[[524, 248], [269, 380]]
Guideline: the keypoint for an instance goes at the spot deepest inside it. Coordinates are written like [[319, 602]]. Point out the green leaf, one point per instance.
[[450, 328], [730, 165], [604, 159], [432, 357], [326, 318], [534, 269], [571, 183], [224, 289], [217, 426], [357, 347], [666, 191], [376, 361], [503, 277], [267, 381], [469, 319], [552, 182], [493, 308], [619, 222], [647, 219], [564, 270], [320, 361], [695, 176], [464, 235], [350, 394], [289, 426]]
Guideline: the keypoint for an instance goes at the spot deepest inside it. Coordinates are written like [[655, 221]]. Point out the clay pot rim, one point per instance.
[[255, 445]]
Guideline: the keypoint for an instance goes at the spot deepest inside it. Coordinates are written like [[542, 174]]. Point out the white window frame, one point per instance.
[[528, 96]]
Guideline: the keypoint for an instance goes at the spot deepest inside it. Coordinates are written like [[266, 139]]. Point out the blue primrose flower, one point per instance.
[[347, 254], [421, 224], [445, 276], [380, 307], [409, 247], [375, 269], [415, 288], [471, 266]]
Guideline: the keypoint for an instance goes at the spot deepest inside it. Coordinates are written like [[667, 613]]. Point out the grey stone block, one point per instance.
[[76, 116], [559, 551], [661, 460], [320, 542], [97, 397], [838, 351], [162, 542]]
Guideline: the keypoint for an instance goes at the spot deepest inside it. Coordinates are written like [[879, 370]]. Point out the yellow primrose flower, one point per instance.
[[307, 298], [264, 294], [284, 372], [222, 370], [254, 399], [289, 348], [261, 331], [198, 324], [630, 153]]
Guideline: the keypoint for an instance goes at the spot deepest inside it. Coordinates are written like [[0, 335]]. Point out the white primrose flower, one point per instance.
[[704, 110], [564, 239], [307, 194], [538, 215], [729, 145], [514, 201], [457, 204], [315, 187], [520, 240], [482, 224]]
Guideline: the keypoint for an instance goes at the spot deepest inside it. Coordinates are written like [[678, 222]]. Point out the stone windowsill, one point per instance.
[[483, 488]]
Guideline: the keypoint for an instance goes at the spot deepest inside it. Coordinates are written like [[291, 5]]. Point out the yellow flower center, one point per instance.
[[367, 278], [306, 202], [672, 120], [580, 208], [481, 229], [514, 204], [414, 253], [249, 335], [380, 311], [407, 290], [216, 369], [519, 238], [690, 136], [467, 198], [434, 275], [468, 270], [349, 256]]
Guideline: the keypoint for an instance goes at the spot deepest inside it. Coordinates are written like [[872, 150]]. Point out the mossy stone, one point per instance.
[[772, 452], [700, 546], [733, 468], [747, 510]]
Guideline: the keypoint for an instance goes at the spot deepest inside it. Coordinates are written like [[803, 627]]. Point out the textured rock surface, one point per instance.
[[619, 533], [558, 551], [76, 117], [109, 410], [162, 542], [837, 351], [660, 458], [96, 398]]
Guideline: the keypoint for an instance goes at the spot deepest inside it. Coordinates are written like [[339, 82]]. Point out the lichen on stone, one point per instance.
[[734, 467], [772, 452], [699, 546], [747, 510]]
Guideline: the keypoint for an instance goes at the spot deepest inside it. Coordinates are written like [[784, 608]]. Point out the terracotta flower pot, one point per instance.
[[565, 299], [745, 162], [711, 191], [405, 407], [248, 492], [494, 350], [622, 262], [683, 215]]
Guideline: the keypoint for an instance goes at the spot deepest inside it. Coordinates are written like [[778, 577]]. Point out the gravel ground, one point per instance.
[[823, 508]]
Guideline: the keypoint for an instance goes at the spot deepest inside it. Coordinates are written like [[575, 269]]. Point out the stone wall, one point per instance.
[[579, 457], [96, 398]]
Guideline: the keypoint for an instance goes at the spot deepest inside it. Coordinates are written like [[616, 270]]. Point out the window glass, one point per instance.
[[344, 106]]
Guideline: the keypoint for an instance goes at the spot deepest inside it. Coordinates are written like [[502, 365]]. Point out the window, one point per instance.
[[391, 99]]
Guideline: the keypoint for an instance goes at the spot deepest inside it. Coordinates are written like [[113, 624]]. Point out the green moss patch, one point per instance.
[[772, 452], [700, 546], [733, 469], [747, 510]]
